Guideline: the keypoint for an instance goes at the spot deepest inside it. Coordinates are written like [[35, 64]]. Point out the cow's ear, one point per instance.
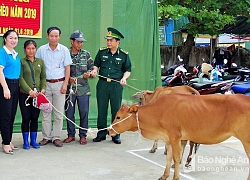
[[124, 106], [133, 108], [149, 92], [138, 95]]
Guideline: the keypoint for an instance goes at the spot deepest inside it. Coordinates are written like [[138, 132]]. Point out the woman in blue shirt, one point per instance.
[[10, 68]]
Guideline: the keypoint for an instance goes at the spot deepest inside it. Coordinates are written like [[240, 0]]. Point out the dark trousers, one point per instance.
[[107, 92], [8, 108], [30, 114], [83, 108]]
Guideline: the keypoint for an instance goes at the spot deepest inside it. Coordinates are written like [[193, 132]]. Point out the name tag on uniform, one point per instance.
[[119, 59], [105, 56]]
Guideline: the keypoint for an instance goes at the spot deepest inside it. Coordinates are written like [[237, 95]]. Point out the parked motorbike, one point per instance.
[[241, 85], [171, 69], [177, 76], [240, 88]]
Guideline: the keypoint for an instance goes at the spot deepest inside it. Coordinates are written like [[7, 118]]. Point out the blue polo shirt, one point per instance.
[[11, 63]]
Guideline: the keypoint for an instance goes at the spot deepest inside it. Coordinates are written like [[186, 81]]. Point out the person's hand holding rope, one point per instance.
[[72, 80], [123, 81], [43, 91], [87, 75], [94, 72], [32, 93]]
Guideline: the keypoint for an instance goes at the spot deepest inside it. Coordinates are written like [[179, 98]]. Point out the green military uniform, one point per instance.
[[111, 66]]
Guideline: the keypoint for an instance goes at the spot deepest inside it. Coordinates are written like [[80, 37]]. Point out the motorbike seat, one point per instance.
[[199, 86], [241, 88], [240, 82]]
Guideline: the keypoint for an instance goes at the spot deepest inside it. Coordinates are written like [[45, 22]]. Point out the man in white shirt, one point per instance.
[[57, 61]]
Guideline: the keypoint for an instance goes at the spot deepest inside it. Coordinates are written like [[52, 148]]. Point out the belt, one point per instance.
[[13, 81], [109, 79], [55, 80]]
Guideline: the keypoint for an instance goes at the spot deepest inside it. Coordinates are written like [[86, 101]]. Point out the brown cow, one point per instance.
[[207, 119], [149, 96]]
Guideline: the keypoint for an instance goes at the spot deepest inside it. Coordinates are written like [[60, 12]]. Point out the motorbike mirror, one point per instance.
[[179, 58], [234, 65], [214, 60], [225, 61]]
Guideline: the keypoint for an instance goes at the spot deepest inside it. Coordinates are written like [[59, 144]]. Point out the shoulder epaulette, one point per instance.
[[103, 48], [123, 51]]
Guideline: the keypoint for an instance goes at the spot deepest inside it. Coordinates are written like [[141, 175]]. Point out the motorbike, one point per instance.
[[177, 79], [240, 88], [171, 69], [177, 74], [241, 85]]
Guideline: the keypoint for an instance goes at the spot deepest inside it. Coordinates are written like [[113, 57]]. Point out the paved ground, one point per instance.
[[128, 161]]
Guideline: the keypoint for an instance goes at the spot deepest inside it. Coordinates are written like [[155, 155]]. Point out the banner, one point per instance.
[[23, 16]]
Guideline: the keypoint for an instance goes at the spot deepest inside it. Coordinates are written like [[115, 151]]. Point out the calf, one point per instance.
[[210, 119]]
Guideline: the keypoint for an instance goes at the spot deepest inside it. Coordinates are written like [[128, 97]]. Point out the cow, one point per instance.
[[149, 96], [210, 119]]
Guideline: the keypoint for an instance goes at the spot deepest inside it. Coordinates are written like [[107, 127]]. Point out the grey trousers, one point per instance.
[[57, 99]]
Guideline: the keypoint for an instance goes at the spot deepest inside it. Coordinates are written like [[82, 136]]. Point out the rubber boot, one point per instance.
[[33, 136], [25, 140]]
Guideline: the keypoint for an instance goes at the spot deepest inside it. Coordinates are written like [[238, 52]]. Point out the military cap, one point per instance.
[[113, 33], [77, 35]]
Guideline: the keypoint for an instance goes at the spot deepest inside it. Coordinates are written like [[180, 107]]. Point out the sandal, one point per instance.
[[13, 147], [7, 149]]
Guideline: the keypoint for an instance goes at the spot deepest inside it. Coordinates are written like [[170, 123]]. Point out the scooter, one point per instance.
[[171, 69], [178, 77], [240, 88]]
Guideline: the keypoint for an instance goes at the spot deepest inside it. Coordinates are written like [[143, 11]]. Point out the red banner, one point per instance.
[[23, 16]]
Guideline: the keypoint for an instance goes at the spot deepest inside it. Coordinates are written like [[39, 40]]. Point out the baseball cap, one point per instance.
[[77, 35]]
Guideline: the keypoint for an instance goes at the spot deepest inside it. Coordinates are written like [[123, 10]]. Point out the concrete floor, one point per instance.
[[127, 161]]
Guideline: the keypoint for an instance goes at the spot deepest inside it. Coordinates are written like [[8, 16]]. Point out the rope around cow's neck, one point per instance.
[[138, 125], [111, 125]]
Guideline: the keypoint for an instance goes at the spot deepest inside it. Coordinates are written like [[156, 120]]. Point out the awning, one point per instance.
[[241, 27]]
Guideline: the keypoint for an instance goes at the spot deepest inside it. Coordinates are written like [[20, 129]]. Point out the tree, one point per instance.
[[205, 16]]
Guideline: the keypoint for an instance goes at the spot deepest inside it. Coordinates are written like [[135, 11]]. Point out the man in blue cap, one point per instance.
[[79, 89], [114, 67]]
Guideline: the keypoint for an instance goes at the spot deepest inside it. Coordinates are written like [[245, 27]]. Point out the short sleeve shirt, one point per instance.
[[11, 63], [81, 63], [54, 60], [112, 65]]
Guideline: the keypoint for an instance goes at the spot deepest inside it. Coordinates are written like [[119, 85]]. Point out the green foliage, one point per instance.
[[205, 16]]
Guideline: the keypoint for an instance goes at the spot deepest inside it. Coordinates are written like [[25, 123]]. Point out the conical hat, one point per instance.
[[206, 68]]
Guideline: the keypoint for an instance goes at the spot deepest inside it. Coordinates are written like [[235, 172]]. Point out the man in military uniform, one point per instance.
[[79, 89], [114, 67]]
